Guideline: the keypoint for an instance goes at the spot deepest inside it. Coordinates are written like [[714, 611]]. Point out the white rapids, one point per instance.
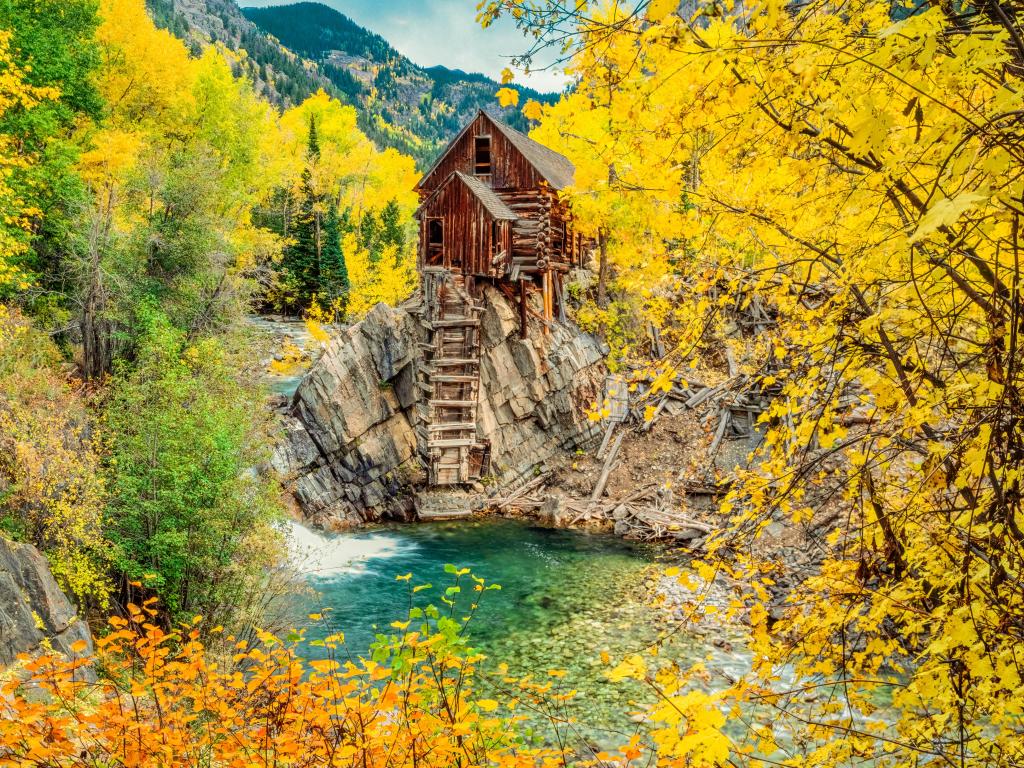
[[321, 555]]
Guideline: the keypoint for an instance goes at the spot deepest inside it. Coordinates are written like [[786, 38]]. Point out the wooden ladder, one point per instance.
[[449, 373]]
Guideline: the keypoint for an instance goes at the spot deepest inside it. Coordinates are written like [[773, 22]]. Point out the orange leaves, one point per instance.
[[165, 697]]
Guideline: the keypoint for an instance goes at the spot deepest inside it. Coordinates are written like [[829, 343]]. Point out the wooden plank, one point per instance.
[[609, 463], [453, 379], [452, 403], [462, 443], [458, 426], [607, 439], [457, 323]]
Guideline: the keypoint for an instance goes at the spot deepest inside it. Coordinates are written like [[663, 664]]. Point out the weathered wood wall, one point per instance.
[[472, 238], [510, 170]]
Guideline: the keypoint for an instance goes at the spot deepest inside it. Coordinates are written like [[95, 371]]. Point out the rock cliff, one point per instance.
[[33, 610], [349, 453]]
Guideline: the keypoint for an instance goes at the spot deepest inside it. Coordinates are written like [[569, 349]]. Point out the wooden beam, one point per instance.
[[522, 310], [457, 323]]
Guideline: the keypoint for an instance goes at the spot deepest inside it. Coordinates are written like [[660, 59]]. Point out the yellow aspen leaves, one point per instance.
[[507, 97], [657, 10], [533, 110], [631, 667]]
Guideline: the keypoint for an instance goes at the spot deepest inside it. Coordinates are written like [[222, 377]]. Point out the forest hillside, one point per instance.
[[292, 50]]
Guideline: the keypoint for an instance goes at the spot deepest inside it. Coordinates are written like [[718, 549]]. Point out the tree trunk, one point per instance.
[[602, 271], [97, 333]]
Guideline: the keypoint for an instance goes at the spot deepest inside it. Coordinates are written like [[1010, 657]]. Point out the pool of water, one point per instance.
[[565, 598]]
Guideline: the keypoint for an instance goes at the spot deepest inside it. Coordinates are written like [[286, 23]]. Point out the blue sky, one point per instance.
[[444, 32]]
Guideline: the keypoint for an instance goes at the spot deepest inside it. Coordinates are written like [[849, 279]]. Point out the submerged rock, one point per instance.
[[349, 451], [33, 610]]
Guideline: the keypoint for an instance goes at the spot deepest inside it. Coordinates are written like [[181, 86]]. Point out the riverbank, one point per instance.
[[669, 472]]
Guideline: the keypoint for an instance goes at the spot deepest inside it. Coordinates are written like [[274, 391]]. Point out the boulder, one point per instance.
[[349, 448], [33, 610]]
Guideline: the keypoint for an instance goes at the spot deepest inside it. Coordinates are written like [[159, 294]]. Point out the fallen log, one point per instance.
[[602, 481]]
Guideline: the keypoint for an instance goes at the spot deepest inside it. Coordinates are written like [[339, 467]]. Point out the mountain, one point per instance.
[[280, 75], [414, 108], [291, 51]]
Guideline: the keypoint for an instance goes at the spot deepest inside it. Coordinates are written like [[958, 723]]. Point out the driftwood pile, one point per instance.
[[524, 499], [650, 512]]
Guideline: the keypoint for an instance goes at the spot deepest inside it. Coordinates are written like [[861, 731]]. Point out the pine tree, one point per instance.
[[303, 259], [313, 148], [334, 280], [391, 230], [369, 239]]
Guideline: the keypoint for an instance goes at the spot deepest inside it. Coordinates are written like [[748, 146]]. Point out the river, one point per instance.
[[566, 597]]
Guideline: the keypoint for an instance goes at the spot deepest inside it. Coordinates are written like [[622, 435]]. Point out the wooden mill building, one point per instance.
[[489, 213]]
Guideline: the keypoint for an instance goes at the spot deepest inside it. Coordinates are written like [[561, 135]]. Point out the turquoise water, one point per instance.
[[565, 598]]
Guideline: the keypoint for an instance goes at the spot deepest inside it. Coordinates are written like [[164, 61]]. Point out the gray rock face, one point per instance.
[[32, 607], [350, 451]]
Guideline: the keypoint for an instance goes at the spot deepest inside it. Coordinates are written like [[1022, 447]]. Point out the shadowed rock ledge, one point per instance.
[[349, 452], [33, 610]]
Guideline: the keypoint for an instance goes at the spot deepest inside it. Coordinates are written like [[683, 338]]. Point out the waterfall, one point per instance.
[[321, 555]]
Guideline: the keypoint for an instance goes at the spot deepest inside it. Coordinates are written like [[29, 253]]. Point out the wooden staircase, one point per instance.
[[449, 376]]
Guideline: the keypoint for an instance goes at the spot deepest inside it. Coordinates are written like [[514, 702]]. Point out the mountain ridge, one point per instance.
[[290, 51]]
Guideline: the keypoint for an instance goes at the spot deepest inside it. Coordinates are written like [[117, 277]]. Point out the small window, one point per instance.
[[435, 243], [435, 232], [482, 155]]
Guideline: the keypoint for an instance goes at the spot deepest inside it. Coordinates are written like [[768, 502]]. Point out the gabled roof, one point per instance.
[[554, 168], [487, 197]]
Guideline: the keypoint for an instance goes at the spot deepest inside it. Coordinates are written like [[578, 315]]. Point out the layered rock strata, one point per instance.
[[349, 453]]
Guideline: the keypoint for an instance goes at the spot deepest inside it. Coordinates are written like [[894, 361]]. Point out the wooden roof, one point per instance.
[[555, 169], [490, 201], [486, 195]]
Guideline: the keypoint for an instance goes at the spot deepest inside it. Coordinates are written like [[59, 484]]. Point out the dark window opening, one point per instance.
[[482, 155], [435, 242]]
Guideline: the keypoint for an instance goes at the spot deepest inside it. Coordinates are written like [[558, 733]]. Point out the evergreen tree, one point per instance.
[[391, 230], [303, 259], [335, 284], [369, 235], [313, 148]]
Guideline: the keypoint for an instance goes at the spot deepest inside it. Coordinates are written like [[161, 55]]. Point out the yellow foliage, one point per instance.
[[51, 494], [857, 175], [16, 215], [507, 97]]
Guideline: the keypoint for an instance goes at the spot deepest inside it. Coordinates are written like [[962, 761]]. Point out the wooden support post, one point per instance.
[[522, 309]]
